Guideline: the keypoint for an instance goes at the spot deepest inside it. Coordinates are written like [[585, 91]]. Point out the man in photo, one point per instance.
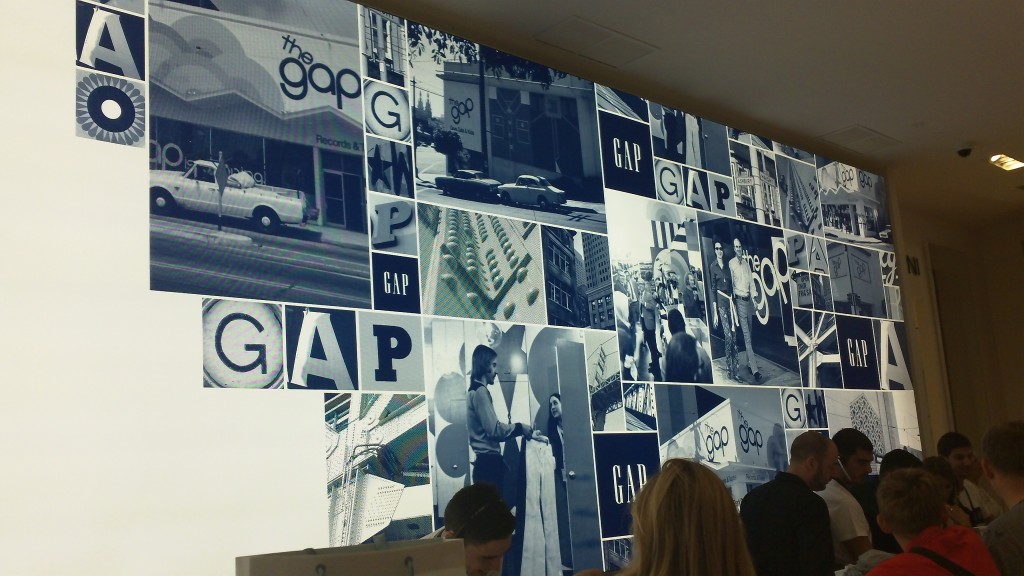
[[912, 507], [1002, 450], [479, 516], [787, 524], [650, 322], [980, 506], [743, 291], [721, 301], [486, 431], [851, 534]]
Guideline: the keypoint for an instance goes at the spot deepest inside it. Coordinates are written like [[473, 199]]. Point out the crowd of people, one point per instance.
[[659, 323], [951, 514]]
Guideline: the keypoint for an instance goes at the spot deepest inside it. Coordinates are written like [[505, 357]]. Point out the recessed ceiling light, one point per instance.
[[1005, 162]]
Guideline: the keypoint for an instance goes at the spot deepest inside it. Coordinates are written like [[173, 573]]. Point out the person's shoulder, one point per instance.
[[1008, 526], [899, 565]]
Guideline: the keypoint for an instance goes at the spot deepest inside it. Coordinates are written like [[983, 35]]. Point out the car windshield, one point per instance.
[[543, 181]]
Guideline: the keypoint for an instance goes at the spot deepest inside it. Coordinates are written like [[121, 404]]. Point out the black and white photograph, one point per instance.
[[806, 253], [624, 464], [888, 419], [893, 355], [392, 224], [853, 205], [751, 312], [503, 135], [387, 113], [856, 275], [626, 155], [793, 152], [657, 267], [378, 481], [756, 184], [577, 279], [389, 167], [256, 170], [617, 553], [622, 103], [110, 41], [384, 47], [804, 409], [638, 401], [136, 6], [509, 406], [243, 344], [678, 184], [391, 352], [607, 412], [801, 205], [739, 432], [110, 109], [811, 291], [321, 347], [893, 286], [752, 139], [688, 139], [858, 353], [396, 283], [477, 266], [818, 348]]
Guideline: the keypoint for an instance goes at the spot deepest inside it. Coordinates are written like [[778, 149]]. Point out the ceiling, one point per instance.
[[926, 79]]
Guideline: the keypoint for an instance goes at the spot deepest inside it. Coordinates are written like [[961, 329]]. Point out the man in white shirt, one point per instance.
[[851, 534], [743, 293]]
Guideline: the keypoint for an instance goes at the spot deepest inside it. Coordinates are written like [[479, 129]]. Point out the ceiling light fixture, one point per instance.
[[1005, 162]]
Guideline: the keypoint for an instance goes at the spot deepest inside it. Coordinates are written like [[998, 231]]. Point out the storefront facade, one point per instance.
[[295, 121]]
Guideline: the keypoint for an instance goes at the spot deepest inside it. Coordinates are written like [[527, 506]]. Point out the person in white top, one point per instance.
[[743, 293], [851, 534]]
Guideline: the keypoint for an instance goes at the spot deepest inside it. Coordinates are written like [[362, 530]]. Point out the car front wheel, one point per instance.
[[543, 203], [266, 220], [161, 202]]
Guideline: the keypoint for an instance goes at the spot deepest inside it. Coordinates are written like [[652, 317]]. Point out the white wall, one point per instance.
[[115, 460]]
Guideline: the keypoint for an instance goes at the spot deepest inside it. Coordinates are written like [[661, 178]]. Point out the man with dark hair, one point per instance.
[[786, 522], [911, 506], [866, 496], [479, 516], [957, 450], [1002, 450], [851, 535]]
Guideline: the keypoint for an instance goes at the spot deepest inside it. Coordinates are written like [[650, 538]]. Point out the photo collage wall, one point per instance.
[[447, 241]]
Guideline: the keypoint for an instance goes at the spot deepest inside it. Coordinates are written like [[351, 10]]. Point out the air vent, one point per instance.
[[858, 138], [593, 41]]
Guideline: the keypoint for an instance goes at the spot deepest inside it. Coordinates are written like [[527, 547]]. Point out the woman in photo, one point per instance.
[[555, 437]]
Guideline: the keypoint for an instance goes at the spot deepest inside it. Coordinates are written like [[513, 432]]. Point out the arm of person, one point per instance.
[[857, 546], [493, 428]]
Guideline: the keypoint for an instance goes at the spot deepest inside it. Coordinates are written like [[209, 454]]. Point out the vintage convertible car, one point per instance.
[[196, 189], [469, 184], [532, 190]]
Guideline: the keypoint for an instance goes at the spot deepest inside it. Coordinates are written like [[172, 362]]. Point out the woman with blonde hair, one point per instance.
[[685, 524]]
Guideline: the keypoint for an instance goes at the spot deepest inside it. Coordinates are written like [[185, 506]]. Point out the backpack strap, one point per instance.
[[954, 568]]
